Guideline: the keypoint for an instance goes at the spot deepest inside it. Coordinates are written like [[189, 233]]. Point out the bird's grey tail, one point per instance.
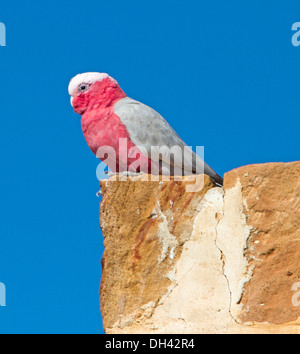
[[197, 167], [209, 171], [218, 179]]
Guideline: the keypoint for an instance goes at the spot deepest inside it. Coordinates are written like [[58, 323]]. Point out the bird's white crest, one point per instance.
[[86, 78]]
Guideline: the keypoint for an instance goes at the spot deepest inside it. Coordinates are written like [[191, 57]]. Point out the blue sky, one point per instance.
[[224, 74]]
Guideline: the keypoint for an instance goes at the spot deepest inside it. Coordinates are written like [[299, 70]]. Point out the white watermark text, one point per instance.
[[2, 35]]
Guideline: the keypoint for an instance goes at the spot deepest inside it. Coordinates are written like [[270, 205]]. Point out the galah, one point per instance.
[[109, 117]]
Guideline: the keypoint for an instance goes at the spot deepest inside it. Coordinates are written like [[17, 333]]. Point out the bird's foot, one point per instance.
[[123, 174], [110, 174], [98, 194], [132, 174]]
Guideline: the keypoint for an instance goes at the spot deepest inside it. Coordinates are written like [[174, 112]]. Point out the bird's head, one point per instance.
[[89, 90]]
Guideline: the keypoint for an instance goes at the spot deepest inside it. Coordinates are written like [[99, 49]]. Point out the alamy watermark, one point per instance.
[[2, 295], [2, 35], [158, 163], [296, 35]]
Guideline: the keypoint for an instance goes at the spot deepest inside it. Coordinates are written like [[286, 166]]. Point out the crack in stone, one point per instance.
[[223, 260]]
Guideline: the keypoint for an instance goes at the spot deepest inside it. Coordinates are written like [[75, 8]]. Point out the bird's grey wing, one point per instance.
[[149, 129]]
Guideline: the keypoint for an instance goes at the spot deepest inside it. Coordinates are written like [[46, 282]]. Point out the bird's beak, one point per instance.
[[72, 100]]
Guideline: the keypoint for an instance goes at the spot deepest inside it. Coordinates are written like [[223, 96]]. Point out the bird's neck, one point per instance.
[[105, 94]]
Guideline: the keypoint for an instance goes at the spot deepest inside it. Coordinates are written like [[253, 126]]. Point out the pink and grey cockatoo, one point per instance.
[[110, 116]]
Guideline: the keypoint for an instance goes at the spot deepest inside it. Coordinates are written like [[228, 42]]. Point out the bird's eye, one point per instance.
[[83, 87]]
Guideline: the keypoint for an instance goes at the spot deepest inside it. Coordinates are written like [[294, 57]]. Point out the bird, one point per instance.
[[137, 137]]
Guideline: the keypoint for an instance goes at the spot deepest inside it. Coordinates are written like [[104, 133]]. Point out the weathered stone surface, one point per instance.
[[215, 261], [145, 225], [271, 199]]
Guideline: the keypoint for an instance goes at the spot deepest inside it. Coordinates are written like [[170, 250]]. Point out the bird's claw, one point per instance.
[[132, 174], [124, 173], [98, 194]]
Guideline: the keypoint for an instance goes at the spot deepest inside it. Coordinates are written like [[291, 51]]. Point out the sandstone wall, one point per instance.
[[222, 260]]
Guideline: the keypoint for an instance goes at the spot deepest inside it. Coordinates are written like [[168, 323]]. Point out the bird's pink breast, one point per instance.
[[102, 127]]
